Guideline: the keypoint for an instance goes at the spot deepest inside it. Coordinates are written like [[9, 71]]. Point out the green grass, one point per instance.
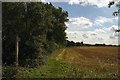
[[58, 69]]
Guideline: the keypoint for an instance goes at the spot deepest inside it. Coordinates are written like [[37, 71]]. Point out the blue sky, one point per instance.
[[88, 11], [90, 22]]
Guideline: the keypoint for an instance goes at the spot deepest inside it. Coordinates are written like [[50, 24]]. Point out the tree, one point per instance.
[[115, 13], [40, 28], [12, 20]]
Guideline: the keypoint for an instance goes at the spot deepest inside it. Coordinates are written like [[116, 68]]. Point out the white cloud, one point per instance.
[[79, 30], [91, 37], [112, 37], [79, 23], [111, 28], [74, 2], [93, 33], [99, 31], [98, 3], [101, 20], [42, 0], [85, 36], [114, 27]]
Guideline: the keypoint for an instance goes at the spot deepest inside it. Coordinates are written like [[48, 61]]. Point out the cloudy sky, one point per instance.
[[90, 21]]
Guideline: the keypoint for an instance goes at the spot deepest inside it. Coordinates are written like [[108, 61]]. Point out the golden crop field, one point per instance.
[[101, 60]]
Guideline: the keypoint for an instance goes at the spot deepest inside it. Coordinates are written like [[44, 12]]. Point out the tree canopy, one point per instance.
[[115, 13], [111, 3], [41, 29]]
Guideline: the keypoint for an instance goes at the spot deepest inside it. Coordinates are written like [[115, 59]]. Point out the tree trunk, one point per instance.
[[17, 48]]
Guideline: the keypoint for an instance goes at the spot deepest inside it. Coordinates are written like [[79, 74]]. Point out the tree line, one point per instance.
[[31, 29], [78, 44]]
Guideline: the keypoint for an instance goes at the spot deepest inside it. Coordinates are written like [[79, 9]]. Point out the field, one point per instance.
[[93, 61], [77, 62]]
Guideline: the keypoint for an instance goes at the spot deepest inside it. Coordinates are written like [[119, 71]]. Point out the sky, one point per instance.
[[90, 21]]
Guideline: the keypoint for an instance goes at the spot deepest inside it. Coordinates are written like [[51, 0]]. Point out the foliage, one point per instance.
[[41, 29], [115, 13], [72, 43]]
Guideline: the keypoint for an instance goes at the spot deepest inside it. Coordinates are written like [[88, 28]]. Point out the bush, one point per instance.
[[9, 72]]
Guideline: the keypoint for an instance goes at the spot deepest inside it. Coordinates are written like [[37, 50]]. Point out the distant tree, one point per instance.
[[100, 44], [78, 44], [72, 43], [82, 43]]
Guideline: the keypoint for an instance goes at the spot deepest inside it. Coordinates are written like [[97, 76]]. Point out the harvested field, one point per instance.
[[76, 62]]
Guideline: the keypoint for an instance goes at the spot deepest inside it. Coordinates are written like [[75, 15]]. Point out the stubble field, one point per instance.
[[77, 62]]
